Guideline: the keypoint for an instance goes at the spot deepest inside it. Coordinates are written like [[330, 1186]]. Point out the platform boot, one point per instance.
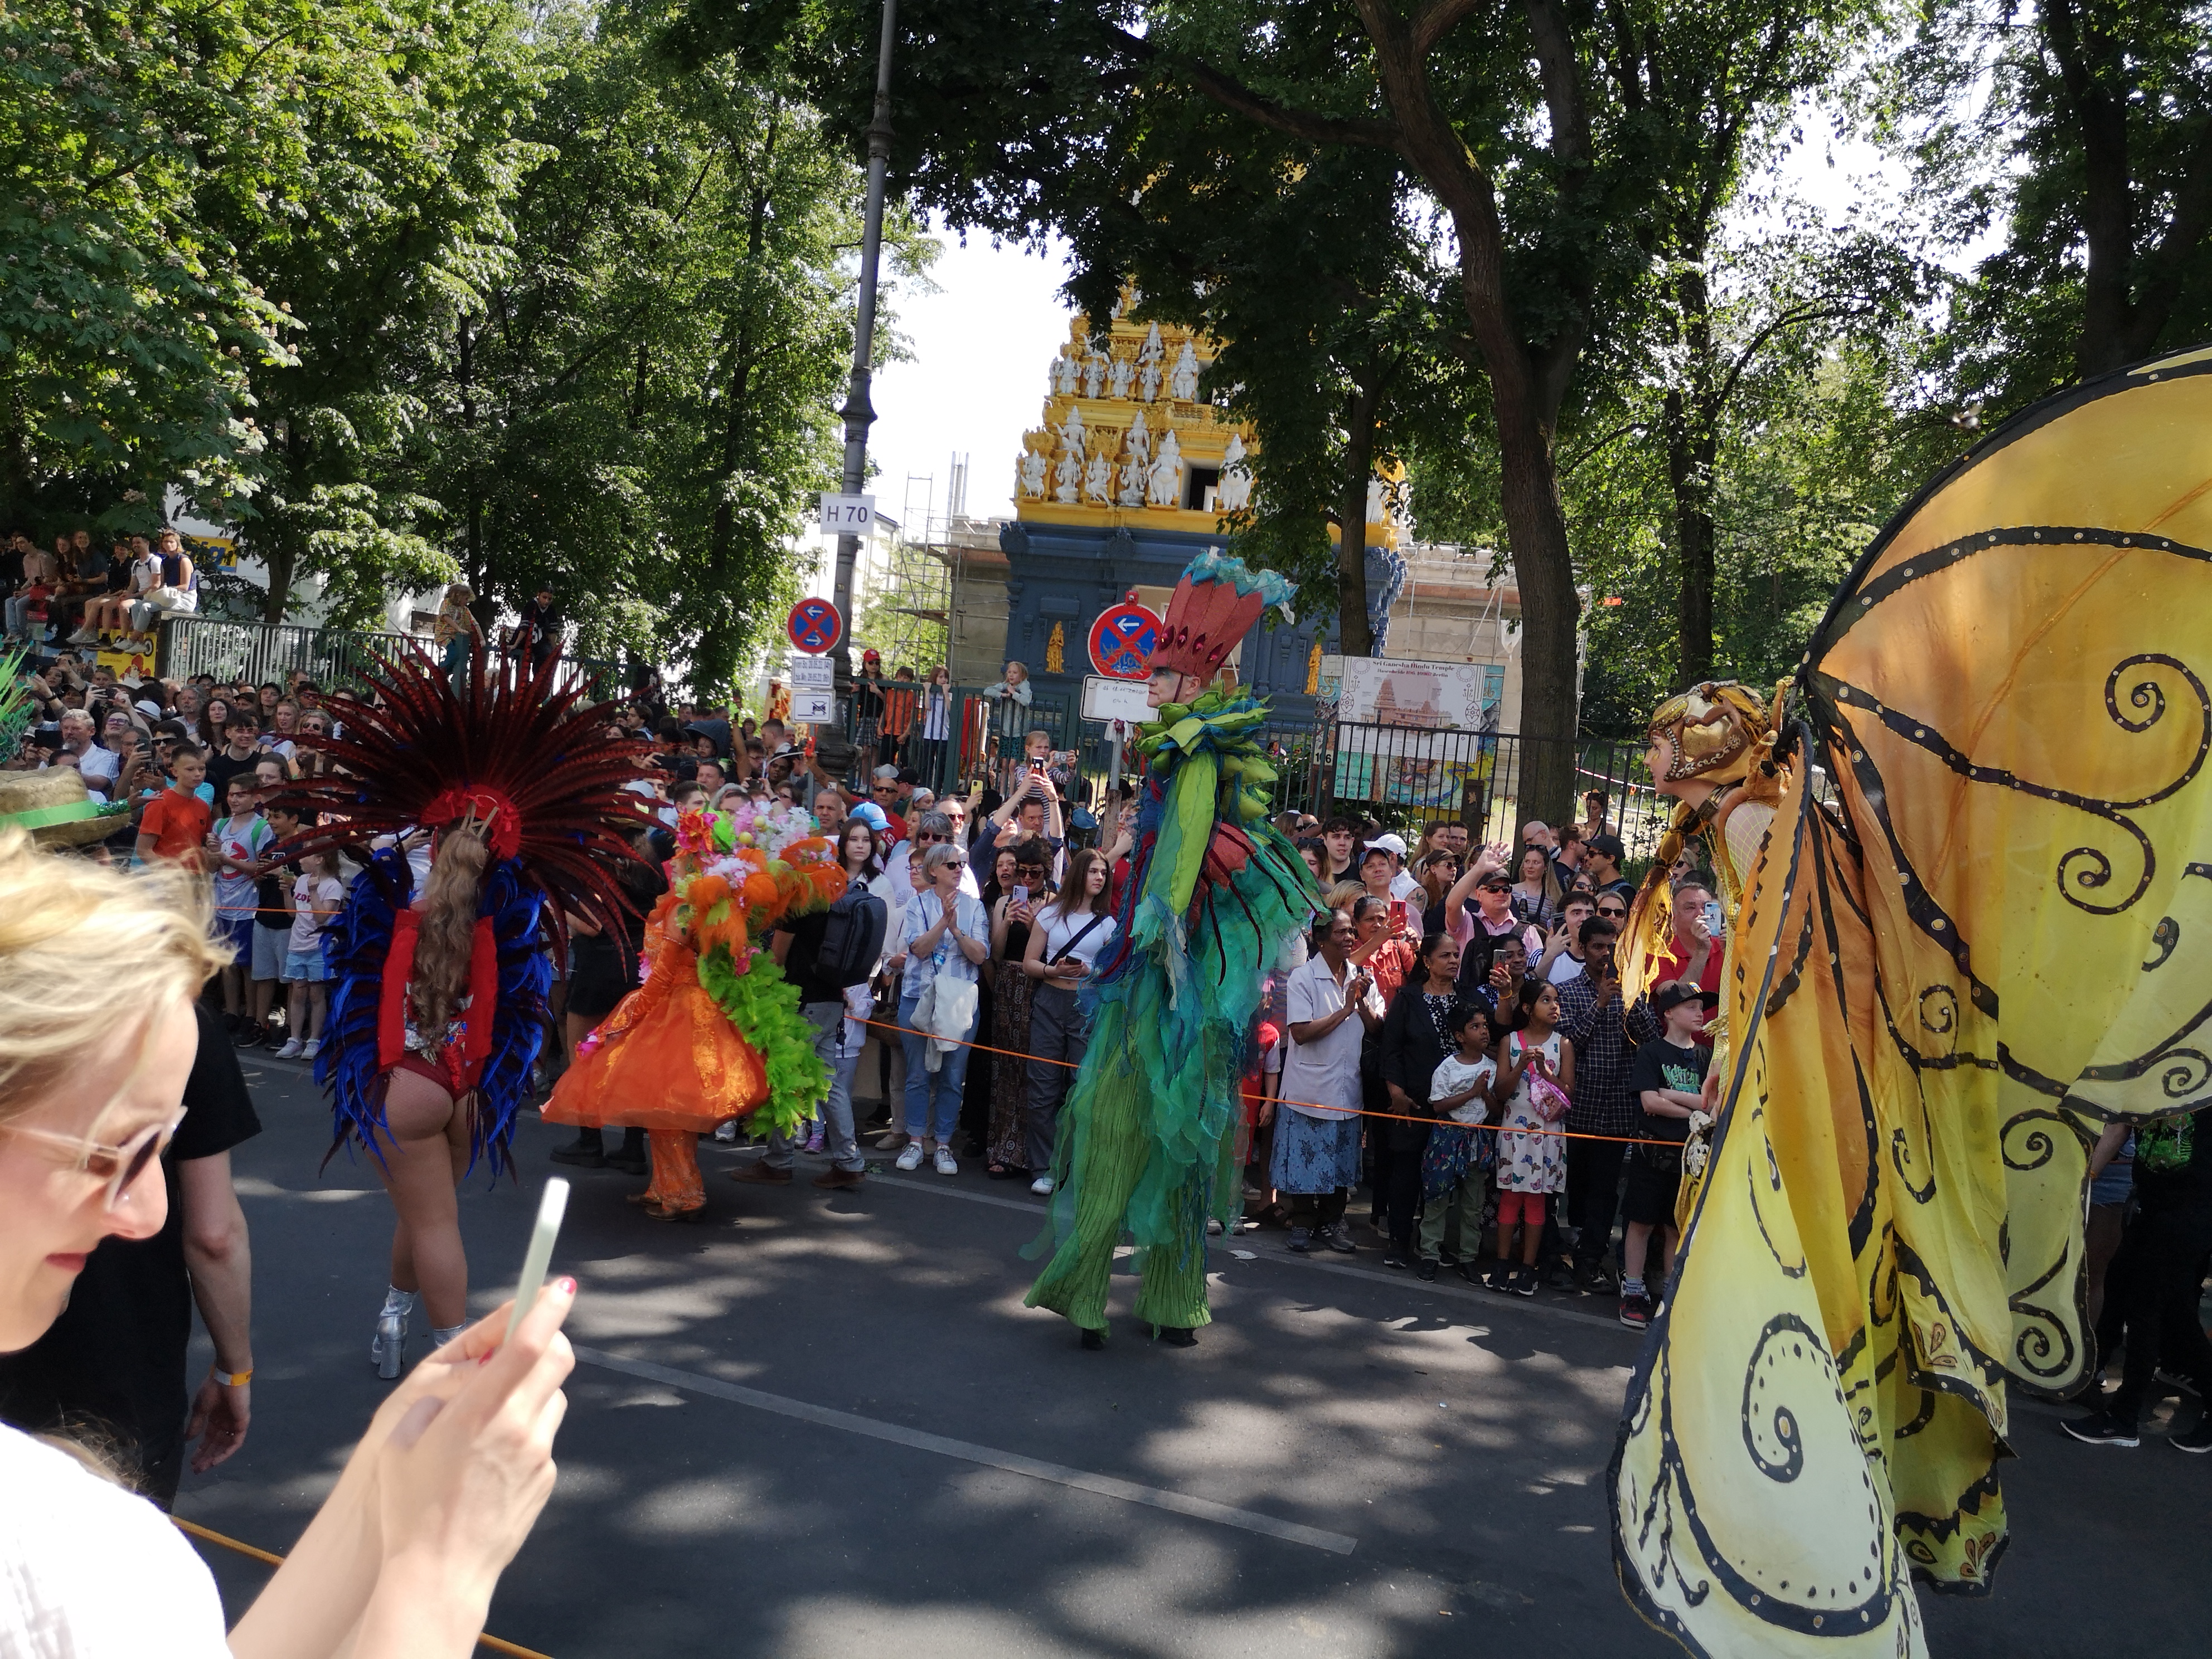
[[390, 1343]]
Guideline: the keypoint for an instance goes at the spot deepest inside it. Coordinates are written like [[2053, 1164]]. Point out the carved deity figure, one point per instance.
[[1148, 383], [1132, 481], [1035, 468], [1166, 486], [1154, 348], [1140, 437], [1071, 434], [1234, 493], [1067, 372], [1068, 475], [1378, 502], [1182, 384], [1119, 376], [1094, 374], [1098, 480]]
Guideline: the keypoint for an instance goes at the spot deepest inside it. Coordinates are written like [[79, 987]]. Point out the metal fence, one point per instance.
[[267, 653], [1402, 776]]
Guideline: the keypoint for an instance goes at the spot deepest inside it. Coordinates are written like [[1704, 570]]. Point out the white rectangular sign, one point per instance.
[[1107, 699], [813, 707], [811, 674], [848, 515]]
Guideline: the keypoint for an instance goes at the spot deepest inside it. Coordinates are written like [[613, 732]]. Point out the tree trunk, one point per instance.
[[1526, 385], [1355, 635], [1691, 420]]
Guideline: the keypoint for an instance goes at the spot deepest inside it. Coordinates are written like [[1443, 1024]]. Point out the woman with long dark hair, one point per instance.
[[1013, 915], [1417, 1037]]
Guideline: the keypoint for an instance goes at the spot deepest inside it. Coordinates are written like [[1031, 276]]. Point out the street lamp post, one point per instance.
[[859, 412]]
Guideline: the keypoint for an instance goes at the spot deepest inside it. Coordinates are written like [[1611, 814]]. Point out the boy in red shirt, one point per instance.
[[177, 821]]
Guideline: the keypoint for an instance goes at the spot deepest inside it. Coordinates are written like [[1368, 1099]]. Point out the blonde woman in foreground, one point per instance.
[[444, 1486]]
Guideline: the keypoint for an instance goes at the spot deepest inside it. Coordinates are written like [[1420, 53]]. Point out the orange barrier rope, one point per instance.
[[1319, 1106], [215, 1537]]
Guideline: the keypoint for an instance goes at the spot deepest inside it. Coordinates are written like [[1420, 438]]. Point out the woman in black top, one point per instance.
[[1416, 1037], [605, 971], [1011, 992]]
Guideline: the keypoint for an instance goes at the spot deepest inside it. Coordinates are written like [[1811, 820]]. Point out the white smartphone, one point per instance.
[[539, 1256], [1021, 893]]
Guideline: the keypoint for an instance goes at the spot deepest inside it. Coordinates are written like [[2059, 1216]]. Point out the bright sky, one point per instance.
[[981, 342]]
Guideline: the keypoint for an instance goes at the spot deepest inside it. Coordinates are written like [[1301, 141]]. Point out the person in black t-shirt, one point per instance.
[[2157, 1276], [1665, 1079], [540, 628], [605, 971], [115, 1362]]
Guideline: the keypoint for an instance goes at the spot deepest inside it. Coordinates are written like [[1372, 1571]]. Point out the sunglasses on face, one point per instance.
[[117, 1166], [1611, 911], [928, 837]]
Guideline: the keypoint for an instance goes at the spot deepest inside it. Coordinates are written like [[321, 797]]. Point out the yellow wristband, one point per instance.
[[231, 1379]]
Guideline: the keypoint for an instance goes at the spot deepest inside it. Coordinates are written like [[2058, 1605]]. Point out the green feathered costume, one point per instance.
[[1148, 1143]]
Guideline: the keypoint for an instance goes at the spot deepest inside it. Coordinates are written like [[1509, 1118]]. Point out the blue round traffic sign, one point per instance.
[[1122, 639], [815, 626]]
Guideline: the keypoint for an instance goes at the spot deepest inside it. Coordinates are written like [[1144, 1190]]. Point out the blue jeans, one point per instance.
[[459, 650], [925, 1088]]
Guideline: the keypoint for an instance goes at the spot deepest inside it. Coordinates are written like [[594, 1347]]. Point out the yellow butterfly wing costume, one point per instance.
[[1978, 926]]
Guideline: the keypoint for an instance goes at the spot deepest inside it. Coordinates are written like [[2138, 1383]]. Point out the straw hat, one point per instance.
[[54, 805]]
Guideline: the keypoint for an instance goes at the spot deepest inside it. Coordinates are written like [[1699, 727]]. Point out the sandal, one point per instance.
[[660, 1212]]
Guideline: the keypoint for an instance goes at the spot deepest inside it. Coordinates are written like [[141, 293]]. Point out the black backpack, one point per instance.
[[852, 938]]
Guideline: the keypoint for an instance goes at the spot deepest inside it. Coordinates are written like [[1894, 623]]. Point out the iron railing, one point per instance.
[[263, 653]]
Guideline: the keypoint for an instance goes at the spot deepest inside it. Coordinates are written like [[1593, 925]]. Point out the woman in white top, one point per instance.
[[1063, 950], [938, 940], [401, 1561]]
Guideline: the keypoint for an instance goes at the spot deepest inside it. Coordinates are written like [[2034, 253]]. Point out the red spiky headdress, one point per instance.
[[530, 764], [1215, 605]]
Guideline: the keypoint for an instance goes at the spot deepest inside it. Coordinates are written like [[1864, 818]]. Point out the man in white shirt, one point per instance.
[[1562, 960], [1316, 1158], [99, 766]]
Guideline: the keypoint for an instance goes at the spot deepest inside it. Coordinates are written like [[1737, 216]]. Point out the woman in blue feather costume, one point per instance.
[[1148, 1144]]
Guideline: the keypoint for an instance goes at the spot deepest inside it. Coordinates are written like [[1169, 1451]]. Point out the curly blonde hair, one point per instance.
[[446, 944], [78, 941]]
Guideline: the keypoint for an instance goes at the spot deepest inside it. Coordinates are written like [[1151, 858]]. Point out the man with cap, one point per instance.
[[1402, 884], [1668, 1077], [1601, 857]]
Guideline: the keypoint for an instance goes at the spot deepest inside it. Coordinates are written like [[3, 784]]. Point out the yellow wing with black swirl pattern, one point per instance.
[[1979, 926]]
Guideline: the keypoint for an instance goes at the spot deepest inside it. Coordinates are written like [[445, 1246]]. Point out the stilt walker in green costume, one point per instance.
[[1148, 1143]]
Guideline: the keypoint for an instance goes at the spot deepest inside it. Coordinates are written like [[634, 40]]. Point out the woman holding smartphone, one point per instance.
[[401, 1561], [1064, 946], [1012, 993]]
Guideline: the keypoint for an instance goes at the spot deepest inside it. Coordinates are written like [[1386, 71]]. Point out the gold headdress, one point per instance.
[[1721, 733]]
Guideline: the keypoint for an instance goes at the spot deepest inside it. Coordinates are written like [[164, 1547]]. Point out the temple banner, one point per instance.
[[1415, 734]]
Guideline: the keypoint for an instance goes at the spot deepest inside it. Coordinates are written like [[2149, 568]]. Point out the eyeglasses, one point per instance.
[[119, 1166]]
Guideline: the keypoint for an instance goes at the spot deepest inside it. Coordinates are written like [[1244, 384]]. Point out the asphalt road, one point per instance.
[[824, 1424]]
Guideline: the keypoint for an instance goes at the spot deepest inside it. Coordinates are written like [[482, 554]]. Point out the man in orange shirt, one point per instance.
[[176, 822]]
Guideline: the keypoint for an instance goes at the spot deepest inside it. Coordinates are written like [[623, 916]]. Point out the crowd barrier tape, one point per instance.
[[1334, 1111], [215, 1537]]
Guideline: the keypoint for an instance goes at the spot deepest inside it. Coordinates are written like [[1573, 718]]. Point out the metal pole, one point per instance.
[[1113, 775], [859, 414]]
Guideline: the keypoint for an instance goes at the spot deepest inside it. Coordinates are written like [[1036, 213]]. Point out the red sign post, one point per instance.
[[1122, 639], [815, 626]]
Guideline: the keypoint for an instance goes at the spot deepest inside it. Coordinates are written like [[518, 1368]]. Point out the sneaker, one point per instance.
[[1499, 1277], [1041, 1186], [2198, 1439], [311, 1048], [1594, 1280], [250, 1036], [2103, 1429], [1428, 1273], [1302, 1240], [911, 1157], [1636, 1310], [1523, 1282], [2175, 1382], [814, 1140], [946, 1164], [293, 1049], [1394, 1257], [1338, 1237], [726, 1133]]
